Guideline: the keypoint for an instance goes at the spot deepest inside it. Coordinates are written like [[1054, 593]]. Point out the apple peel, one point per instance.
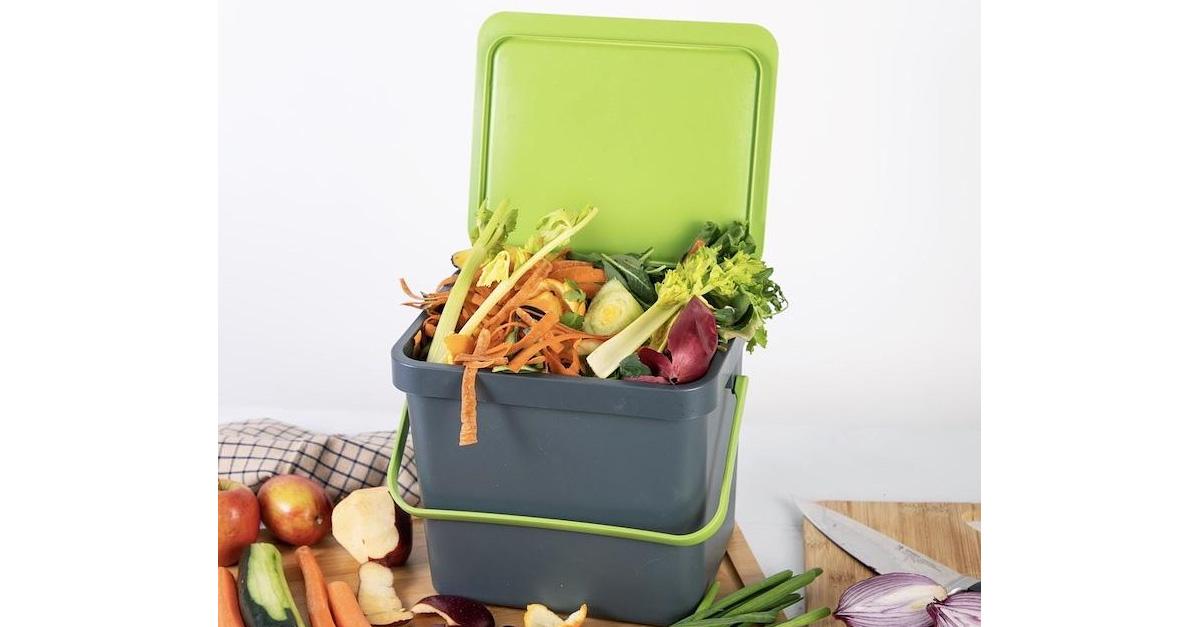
[[377, 596], [538, 615], [456, 611]]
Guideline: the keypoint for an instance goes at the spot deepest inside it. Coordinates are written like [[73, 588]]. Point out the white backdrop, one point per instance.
[[344, 155]]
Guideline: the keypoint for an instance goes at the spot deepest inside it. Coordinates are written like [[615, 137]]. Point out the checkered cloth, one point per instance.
[[253, 451]]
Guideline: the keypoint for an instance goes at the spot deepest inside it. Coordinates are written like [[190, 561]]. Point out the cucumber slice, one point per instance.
[[612, 309]]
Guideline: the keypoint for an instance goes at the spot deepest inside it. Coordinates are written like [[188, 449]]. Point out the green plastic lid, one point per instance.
[[661, 125]]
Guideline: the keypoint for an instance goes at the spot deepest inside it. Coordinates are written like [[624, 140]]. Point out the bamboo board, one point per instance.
[[939, 530], [739, 568]]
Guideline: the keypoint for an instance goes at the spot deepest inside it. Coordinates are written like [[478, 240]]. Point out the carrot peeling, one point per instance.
[[468, 433]]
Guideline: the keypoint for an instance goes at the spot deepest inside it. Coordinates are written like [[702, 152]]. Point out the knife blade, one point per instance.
[[879, 552]]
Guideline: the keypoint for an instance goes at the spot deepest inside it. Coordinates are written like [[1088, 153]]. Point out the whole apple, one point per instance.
[[295, 509], [237, 520]]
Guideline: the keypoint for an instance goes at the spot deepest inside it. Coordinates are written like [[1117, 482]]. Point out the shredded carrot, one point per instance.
[[514, 335], [468, 433], [537, 331], [528, 289]]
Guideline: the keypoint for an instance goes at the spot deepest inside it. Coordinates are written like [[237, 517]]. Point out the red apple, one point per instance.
[[295, 509], [237, 520]]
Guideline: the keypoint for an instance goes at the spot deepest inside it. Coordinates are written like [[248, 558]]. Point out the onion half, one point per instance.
[[891, 600]]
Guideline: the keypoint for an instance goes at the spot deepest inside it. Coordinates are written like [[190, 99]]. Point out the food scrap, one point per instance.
[[541, 307]]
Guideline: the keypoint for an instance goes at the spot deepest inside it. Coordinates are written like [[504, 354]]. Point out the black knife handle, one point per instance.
[[977, 587]]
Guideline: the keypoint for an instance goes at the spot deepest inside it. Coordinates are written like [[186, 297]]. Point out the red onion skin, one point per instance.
[[961, 609], [691, 342], [891, 600]]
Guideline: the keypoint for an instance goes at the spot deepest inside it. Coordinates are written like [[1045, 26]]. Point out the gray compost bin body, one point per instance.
[[557, 454], [622, 579], [577, 448]]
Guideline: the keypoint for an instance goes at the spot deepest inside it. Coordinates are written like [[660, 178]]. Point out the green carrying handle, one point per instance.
[[688, 539]]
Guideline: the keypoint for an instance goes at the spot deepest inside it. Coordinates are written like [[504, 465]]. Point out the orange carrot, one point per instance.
[[529, 288], [228, 614], [590, 289], [457, 344], [314, 589], [345, 607], [579, 274], [537, 331]]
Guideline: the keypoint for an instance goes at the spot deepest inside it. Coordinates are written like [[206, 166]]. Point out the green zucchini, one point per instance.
[[263, 591]]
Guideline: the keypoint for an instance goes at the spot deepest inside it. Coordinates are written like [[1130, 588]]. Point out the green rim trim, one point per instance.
[[612, 531]]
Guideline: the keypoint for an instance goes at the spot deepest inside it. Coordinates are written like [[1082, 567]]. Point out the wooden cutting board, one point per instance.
[[739, 568], [939, 530]]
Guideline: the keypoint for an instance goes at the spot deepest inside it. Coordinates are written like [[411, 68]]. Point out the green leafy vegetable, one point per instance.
[[629, 270], [498, 267], [694, 276], [573, 293], [631, 366], [572, 319], [723, 270], [636, 271]]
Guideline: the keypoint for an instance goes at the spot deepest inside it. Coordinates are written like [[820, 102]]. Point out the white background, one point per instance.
[[344, 157], [108, 233]]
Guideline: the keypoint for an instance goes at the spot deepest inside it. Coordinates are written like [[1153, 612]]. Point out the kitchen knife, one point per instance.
[[879, 552]]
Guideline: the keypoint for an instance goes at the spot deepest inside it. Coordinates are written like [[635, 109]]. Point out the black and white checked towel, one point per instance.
[[253, 451]]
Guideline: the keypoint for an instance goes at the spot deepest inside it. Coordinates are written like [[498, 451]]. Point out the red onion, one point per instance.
[[891, 600], [961, 609]]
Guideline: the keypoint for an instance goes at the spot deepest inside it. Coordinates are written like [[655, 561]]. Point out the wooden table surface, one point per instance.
[[739, 568], [939, 530]]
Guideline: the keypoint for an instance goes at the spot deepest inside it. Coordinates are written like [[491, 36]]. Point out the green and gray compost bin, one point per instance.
[[617, 494]]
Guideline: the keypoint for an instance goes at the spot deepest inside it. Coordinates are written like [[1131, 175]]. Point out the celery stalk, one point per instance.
[[506, 286], [495, 230]]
